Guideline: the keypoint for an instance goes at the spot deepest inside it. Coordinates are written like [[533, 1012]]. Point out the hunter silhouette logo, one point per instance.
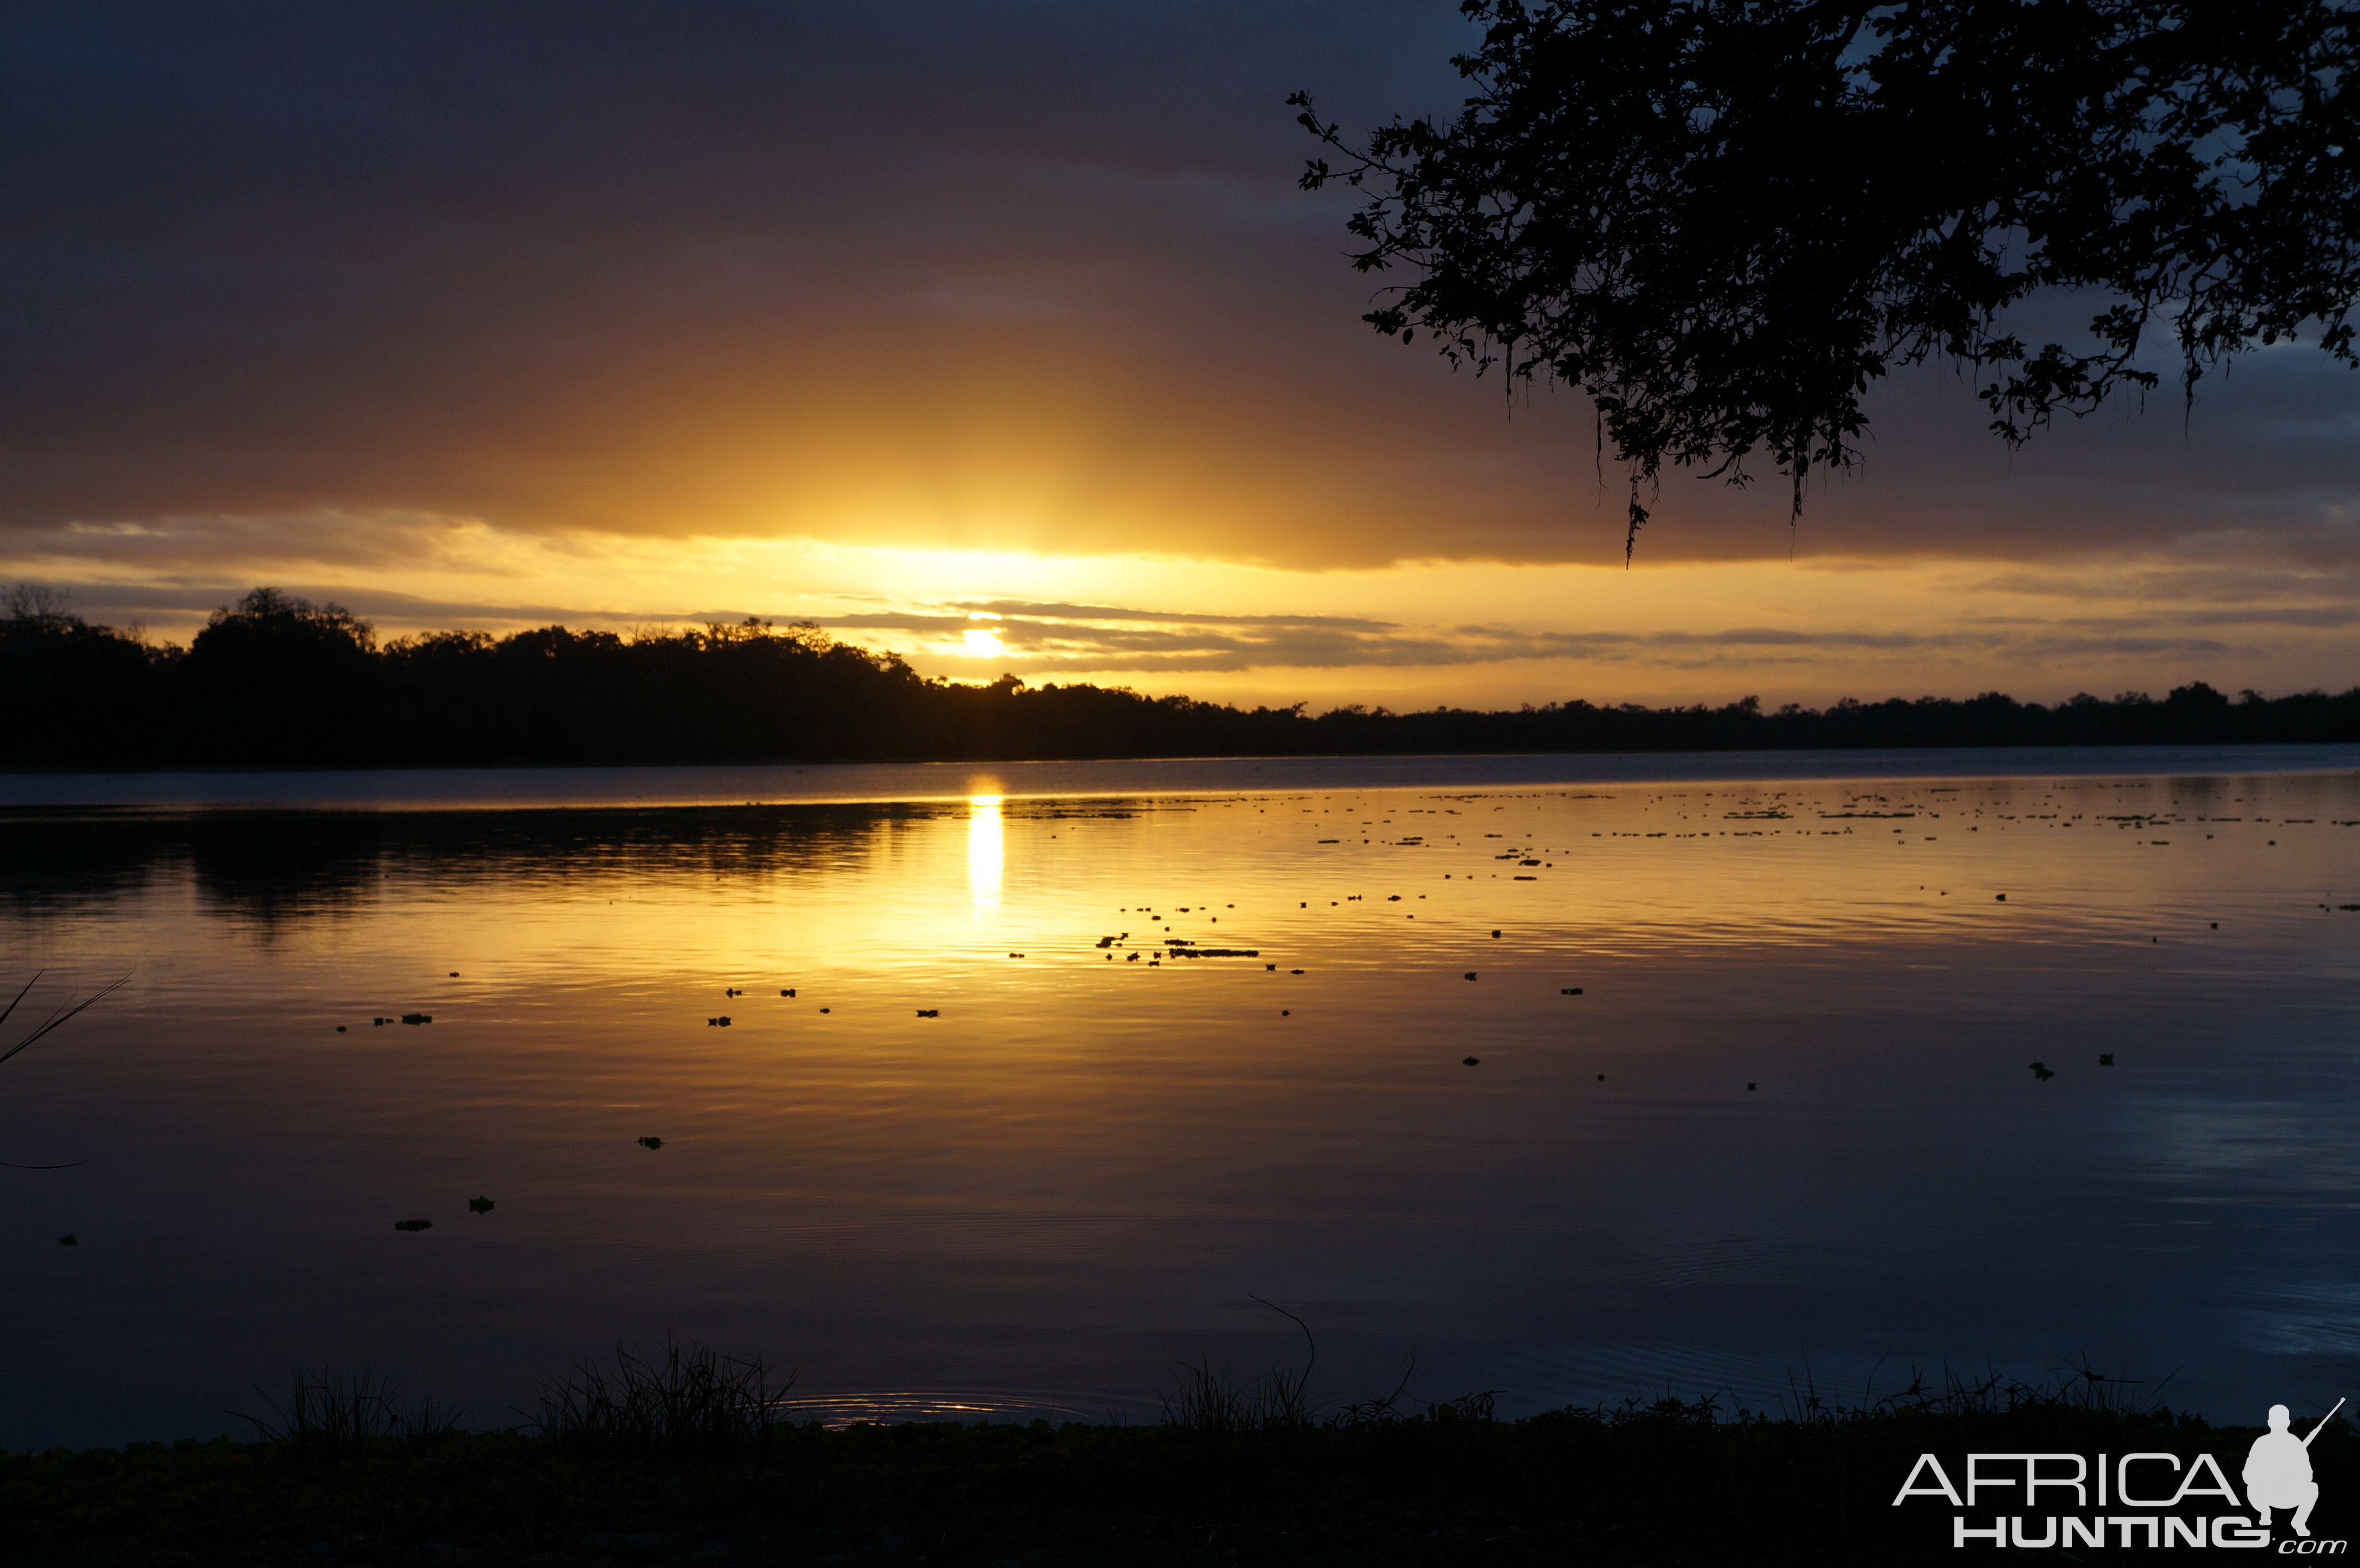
[[2145, 1499], [2277, 1471]]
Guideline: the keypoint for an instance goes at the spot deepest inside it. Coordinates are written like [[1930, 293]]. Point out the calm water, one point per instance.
[[1087, 1165]]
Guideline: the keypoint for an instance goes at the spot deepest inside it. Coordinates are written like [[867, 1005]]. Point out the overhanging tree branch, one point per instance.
[[1723, 219]]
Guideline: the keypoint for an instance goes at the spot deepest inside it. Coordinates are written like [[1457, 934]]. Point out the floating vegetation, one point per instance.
[[481, 1205], [1471, 975], [1472, 1061], [413, 1225], [418, 1018], [788, 992], [1571, 991], [2106, 1059], [2042, 1072], [69, 1240], [651, 1143], [723, 1021], [930, 1012]]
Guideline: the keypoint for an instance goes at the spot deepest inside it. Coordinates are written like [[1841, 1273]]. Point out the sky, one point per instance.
[[998, 336]]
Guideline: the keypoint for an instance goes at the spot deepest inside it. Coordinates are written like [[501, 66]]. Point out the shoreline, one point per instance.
[[1662, 1483], [858, 783]]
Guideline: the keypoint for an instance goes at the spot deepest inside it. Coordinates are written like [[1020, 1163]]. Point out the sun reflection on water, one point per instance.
[[984, 851]]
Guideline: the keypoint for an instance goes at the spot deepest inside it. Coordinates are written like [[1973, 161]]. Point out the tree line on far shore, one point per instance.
[[275, 681]]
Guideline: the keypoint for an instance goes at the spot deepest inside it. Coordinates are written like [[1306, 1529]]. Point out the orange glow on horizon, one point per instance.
[[1412, 635]]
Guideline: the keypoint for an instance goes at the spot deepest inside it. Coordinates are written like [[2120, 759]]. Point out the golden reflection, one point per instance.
[[984, 851]]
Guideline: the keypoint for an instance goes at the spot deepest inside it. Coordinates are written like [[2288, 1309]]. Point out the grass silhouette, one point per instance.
[[690, 1454], [58, 1017]]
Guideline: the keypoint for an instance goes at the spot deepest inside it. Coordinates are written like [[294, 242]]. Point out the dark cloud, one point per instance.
[[2258, 616], [1026, 276], [120, 603], [1103, 639], [1115, 613]]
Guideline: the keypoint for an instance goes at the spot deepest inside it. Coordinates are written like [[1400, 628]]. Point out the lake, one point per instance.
[[1083, 1063]]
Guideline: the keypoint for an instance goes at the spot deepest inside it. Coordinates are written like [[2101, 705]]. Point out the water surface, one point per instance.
[[448, 789], [1786, 1131]]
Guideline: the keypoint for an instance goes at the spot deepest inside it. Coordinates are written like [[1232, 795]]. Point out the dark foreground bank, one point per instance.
[[276, 683], [1668, 1484]]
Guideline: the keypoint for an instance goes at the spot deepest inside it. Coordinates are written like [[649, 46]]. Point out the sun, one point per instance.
[[982, 640]]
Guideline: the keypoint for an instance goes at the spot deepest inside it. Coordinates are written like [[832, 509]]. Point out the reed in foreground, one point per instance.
[[734, 1479], [687, 1398]]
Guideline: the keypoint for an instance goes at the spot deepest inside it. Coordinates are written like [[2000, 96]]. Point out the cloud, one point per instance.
[[120, 603], [1056, 642], [1089, 612], [367, 284]]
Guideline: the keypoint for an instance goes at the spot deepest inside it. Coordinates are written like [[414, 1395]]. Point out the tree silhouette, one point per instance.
[[286, 684], [1724, 219], [276, 679]]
